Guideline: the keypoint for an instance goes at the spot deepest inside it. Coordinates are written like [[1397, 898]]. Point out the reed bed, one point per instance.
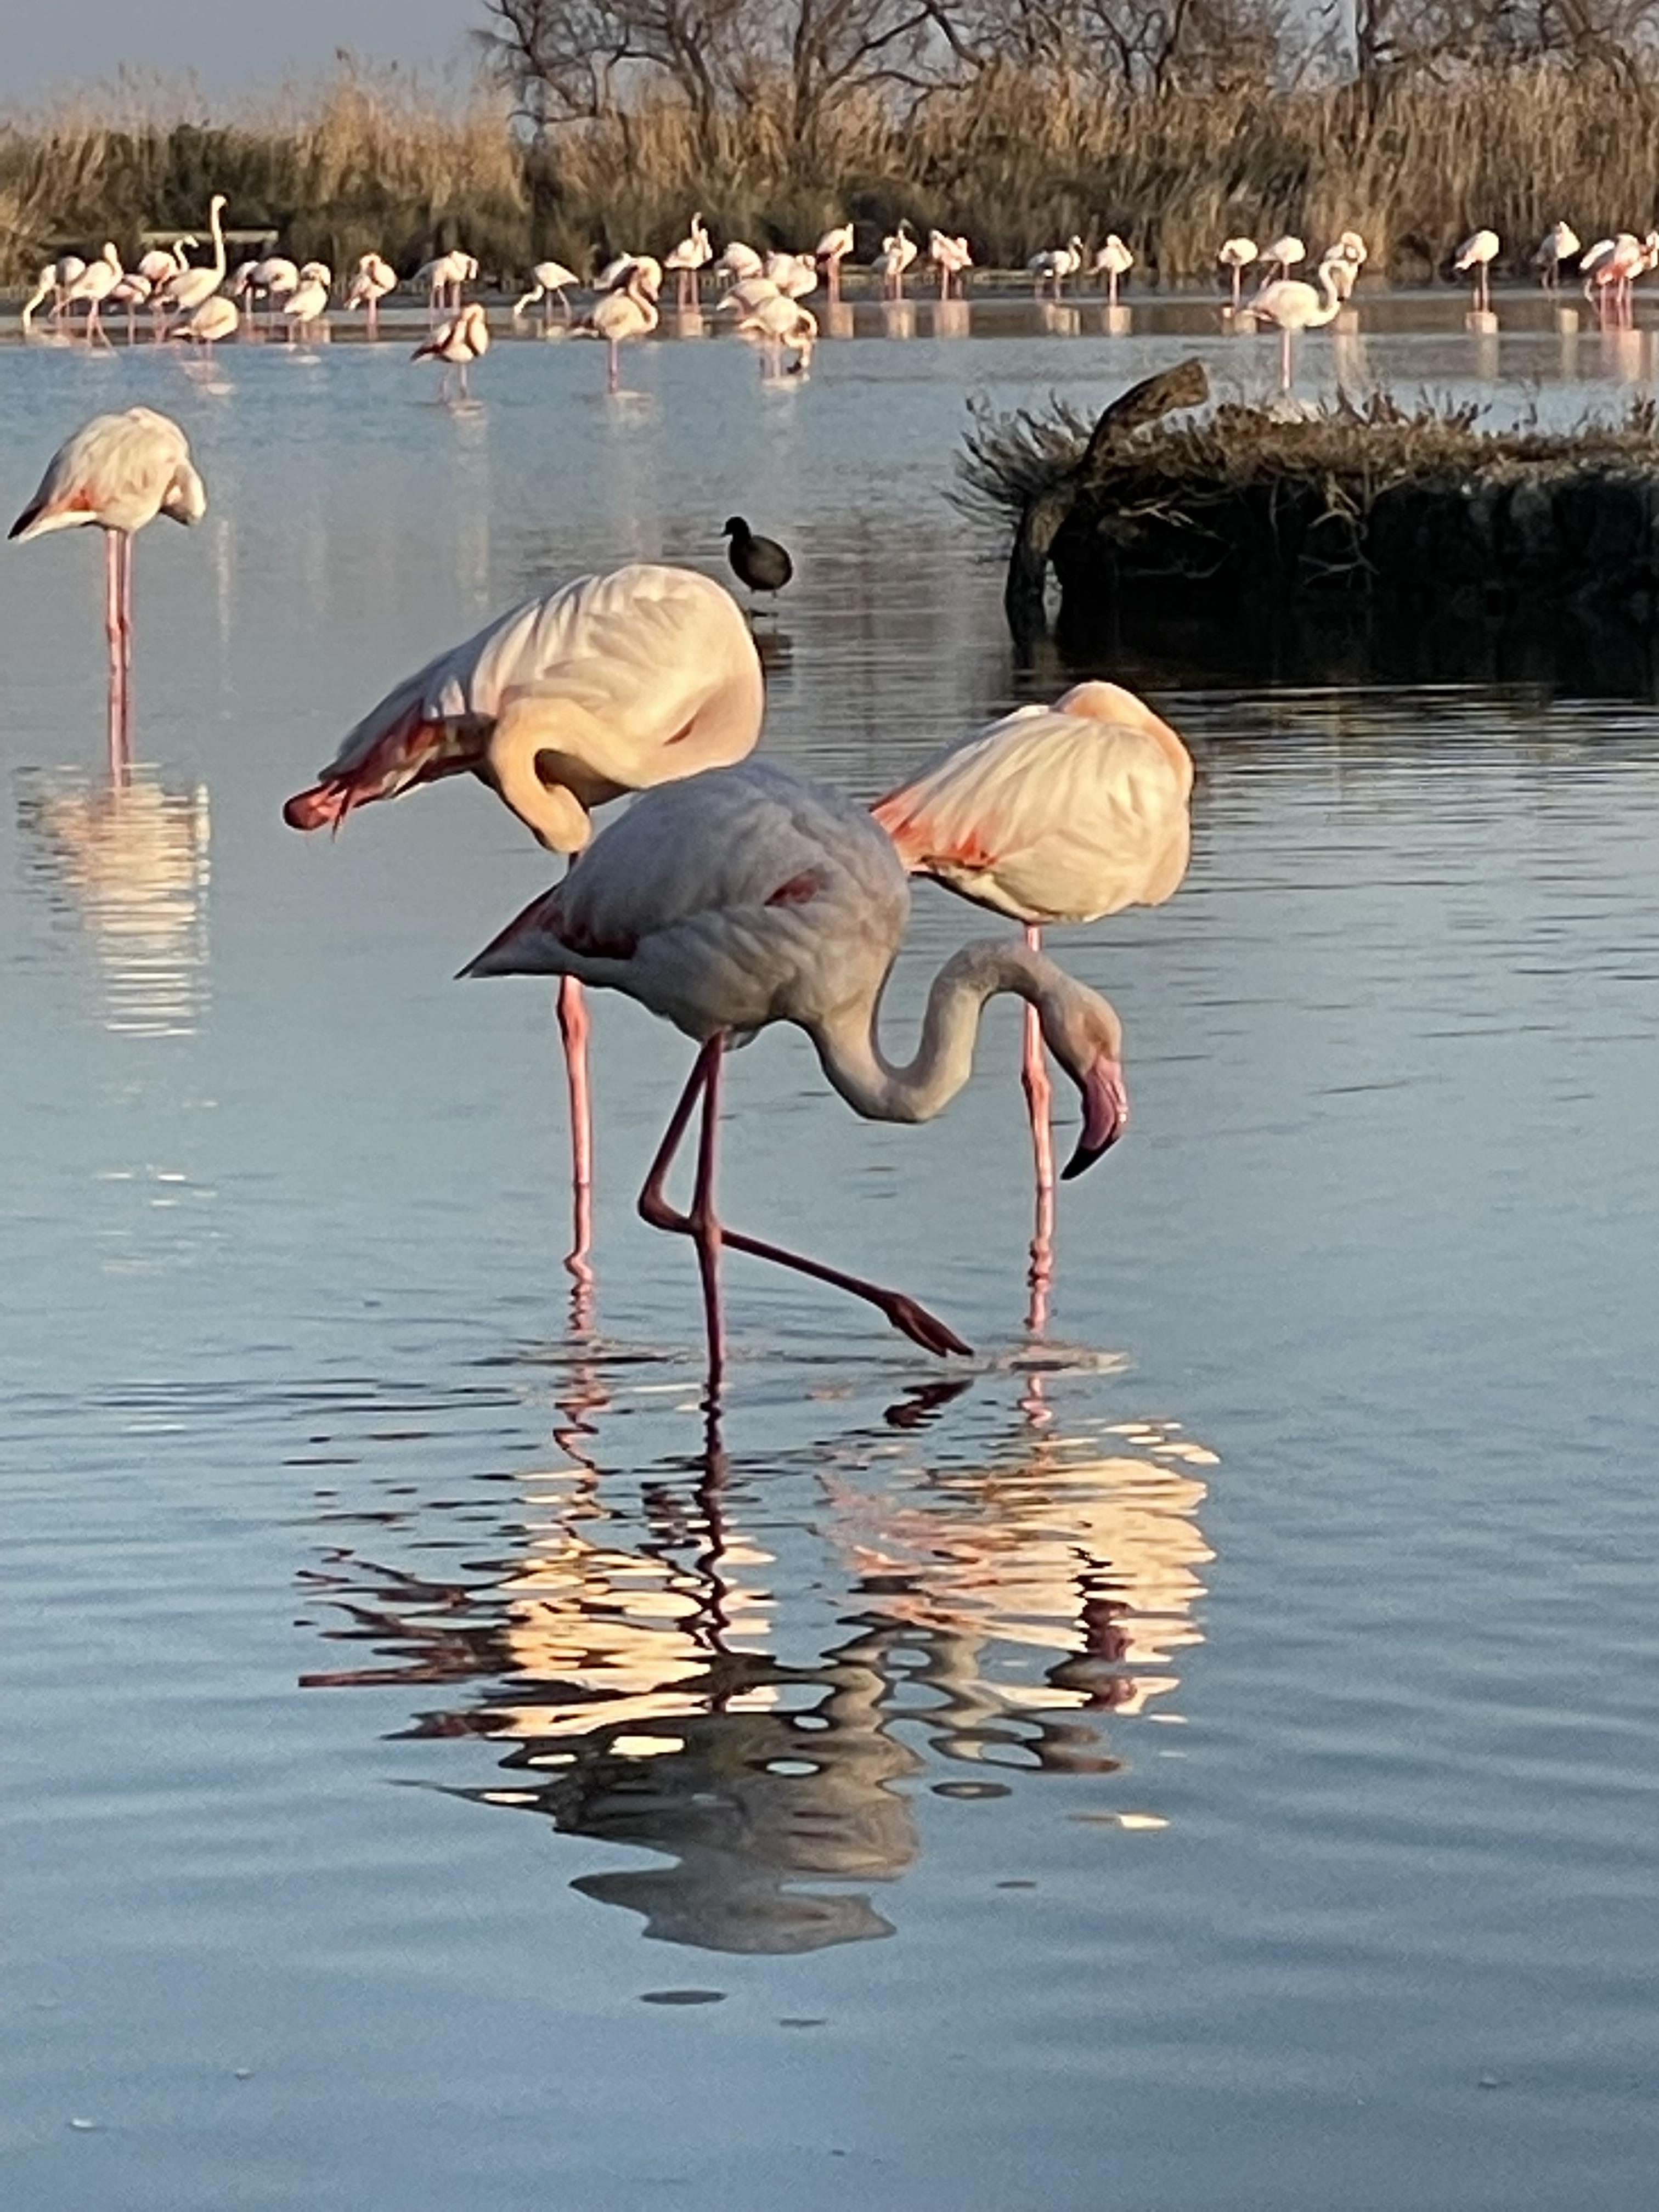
[[1017, 161]]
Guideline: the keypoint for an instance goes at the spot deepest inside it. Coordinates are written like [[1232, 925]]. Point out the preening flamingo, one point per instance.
[[119, 471], [184, 292], [1055, 814], [215, 319], [444, 275], [1292, 305], [608, 685], [457, 344], [162, 263], [1055, 266], [688, 259], [1477, 254], [273, 278], [305, 309], [795, 275], [627, 311], [780, 325], [898, 251], [1560, 243], [832, 249], [951, 257], [549, 280], [1113, 261], [1235, 255], [96, 281], [738, 261], [373, 279], [748, 896]]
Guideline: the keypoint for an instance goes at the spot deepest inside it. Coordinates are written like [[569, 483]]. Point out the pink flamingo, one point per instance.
[[1475, 256], [119, 471], [1055, 814], [457, 344], [1294, 306], [748, 896], [608, 685]]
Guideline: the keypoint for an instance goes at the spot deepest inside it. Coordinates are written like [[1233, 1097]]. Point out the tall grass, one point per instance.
[[376, 158]]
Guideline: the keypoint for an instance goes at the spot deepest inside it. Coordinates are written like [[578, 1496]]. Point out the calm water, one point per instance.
[[1210, 1767]]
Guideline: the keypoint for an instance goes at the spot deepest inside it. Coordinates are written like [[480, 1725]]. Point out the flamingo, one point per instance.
[[1477, 254], [781, 323], [444, 276], [1284, 254], [119, 471], [627, 311], [215, 319], [1560, 243], [1351, 246], [738, 261], [1055, 266], [951, 257], [795, 275], [306, 306], [457, 344], [373, 280], [55, 279], [746, 294], [96, 281], [1055, 814], [688, 260], [747, 896], [548, 279], [1237, 254], [274, 277], [1611, 267], [898, 251], [132, 293], [622, 265], [184, 292], [608, 685], [832, 249], [1293, 306], [162, 263], [1114, 261]]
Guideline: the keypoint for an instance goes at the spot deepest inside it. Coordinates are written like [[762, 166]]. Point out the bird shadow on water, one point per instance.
[[977, 1598]]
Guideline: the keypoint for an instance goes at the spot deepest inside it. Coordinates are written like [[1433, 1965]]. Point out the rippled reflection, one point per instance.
[[127, 861], [995, 1617]]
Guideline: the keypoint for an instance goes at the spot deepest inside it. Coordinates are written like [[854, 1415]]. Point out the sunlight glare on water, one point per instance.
[[1205, 1761]]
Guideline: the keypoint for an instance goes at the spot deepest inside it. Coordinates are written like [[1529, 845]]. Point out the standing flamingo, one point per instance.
[[444, 277], [748, 896], [1477, 254], [119, 471], [1235, 255], [832, 249], [951, 256], [1560, 243], [608, 685], [898, 251], [1286, 253], [549, 280], [184, 292], [1055, 814], [1292, 305], [373, 280], [1055, 266], [1114, 261], [629, 311], [688, 260], [457, 344], [95, 283]]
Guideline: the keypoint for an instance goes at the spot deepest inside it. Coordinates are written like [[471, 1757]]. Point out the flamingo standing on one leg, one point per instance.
[[1055, 814], [1236, 256], [1283, 254], [373, 280], [457, 344], [608, 685], [832, 249], [898, 251], [688, 259], [1114, 261], [1560, 243], [749, 897], [119, 471], [1476, 254]]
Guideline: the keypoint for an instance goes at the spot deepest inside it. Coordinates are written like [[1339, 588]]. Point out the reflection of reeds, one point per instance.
[[1016, 160]]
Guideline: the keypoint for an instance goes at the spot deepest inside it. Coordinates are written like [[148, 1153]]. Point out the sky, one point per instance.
[[230, 44]]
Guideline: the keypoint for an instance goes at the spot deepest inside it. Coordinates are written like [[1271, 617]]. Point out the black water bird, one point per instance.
[[760, 562]]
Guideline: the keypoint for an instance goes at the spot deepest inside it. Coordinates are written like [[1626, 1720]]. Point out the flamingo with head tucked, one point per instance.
[[1476, 254], [1560, 243], [611, 685], [898, 251], [832, 249], [1115, 260], [373, 280], [1059, 814], [747, 896], [1236, 256], [458, 343], [118, 472]]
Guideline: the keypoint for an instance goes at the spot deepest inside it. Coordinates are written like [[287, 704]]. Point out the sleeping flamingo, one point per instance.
[[1055, 814], [373, 280], [1476, 254], [1235, 255], [607, 685], [747, 896], [119, 471], [832, 249]]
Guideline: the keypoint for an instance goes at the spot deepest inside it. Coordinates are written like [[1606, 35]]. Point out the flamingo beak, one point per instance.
[[1105, 1115]]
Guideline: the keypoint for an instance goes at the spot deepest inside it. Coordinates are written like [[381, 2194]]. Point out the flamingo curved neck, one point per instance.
[[849, 1051], [552, 813]]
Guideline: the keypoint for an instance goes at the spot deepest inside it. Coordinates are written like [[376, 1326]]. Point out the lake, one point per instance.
[[1206, 1759]]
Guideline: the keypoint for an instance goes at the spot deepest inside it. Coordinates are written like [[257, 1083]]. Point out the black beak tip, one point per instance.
[[1086, 1156]]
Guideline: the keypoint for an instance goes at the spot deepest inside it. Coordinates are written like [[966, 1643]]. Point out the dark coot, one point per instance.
[[760, 562]]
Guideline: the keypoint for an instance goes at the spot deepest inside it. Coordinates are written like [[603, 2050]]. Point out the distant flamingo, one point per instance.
[[1055, 814], [457, 344], [119, 471], [132, 293], [96, 281], [738, 261], [1611, 268], [688, 259], [215, 319], [778, 325], [1055, 266], [161, 265], [549, 280], [747, 896], [273, 278], [444, 277], [795, 275], [898, 251], [1477, 254], [951, 257], [1235, 255], [832, 249], [55, 280], [1113, 261], [629, 311], [1560, 243], [1286, 253], [1292, 305], [373, 280], [305, 309], [184, 292], [608, 685]]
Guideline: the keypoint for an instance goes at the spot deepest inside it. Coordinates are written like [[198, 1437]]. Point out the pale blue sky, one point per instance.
[[229, 43]]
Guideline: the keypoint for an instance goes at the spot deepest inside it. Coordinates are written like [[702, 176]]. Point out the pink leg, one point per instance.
[[1285, 359], [611, 372], [573, 1024], [118, 672], [910, 1319], [1038, 1096]]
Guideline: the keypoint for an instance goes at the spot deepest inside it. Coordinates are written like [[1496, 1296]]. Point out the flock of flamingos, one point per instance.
[[732, 895], [764, 292]]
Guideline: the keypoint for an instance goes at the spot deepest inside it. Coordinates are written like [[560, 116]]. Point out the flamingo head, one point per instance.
[[1082, 1031], [185, 497]]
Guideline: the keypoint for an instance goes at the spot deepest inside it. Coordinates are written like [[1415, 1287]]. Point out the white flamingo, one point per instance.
[[627, 311], [688, 259], [1476, 254], [898, 251], [184, 292], [1113, 261], [373, 280], [781, 325], [1236, 256], [215, 319], [305, 309], [832, 249], [549, 280], [458, 343], [747, 896], [738, 261], [445, 276], [1286, 252], [1561, 243], [951, 256], [1055, 265], [96, 281], [1292, 305]]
